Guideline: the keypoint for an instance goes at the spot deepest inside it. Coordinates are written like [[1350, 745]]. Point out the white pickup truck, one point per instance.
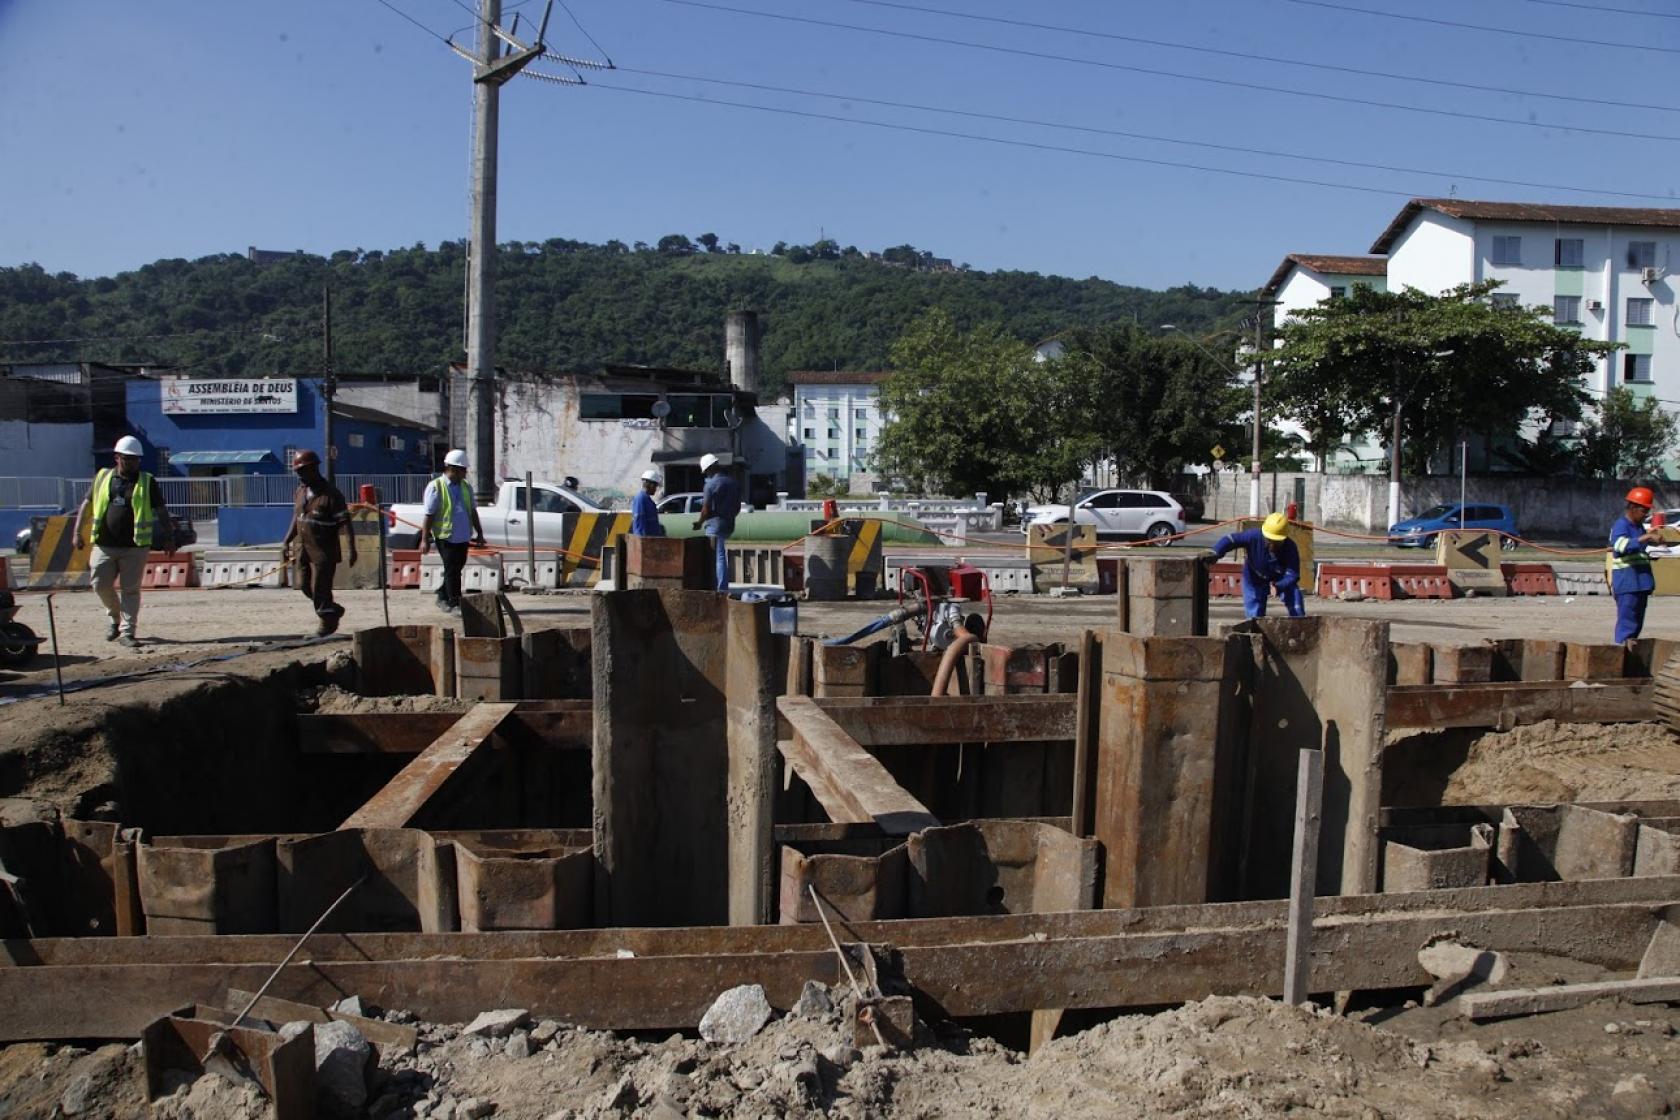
[[504, 522]]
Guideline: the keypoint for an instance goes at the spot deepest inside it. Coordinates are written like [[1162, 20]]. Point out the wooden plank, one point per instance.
[[1303, 874], [561, 725], [1087, 701], [964, 978], [876, 721], [848, 781], [397, 803], [1561, 997], [1512, 704]]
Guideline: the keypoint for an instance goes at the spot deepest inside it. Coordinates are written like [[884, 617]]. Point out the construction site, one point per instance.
[[651, 850]]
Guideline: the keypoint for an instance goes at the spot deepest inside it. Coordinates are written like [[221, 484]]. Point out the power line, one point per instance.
[[578, 24], [410, 19], [1124, 134], [1609, 11], [1572, 40], [1332, 68], [1228, 82], [1030, 144]]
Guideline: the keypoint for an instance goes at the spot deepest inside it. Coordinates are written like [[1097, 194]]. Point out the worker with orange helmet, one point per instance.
[[1270, 559], [1631, 581]]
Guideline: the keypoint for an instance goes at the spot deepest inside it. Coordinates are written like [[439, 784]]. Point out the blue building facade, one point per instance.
[[180, 443]]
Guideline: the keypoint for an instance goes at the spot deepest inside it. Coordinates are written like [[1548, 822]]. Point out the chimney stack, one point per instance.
[[741, 349]]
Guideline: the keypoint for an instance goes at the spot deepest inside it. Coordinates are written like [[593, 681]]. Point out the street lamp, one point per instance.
[[1254, 461]]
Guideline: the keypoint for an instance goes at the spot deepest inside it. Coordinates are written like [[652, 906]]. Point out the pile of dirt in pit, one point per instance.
[[1551, 761], [333, 700]]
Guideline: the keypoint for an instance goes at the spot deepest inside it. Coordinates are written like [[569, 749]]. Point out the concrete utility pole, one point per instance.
[[329, 382], [481, 256]]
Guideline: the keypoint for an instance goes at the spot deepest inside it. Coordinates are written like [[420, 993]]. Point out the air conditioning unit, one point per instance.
[[1649, 275], [1595, 305], [393, 443]]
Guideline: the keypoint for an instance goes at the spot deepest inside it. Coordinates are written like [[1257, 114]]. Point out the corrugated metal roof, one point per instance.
[[218, 458]]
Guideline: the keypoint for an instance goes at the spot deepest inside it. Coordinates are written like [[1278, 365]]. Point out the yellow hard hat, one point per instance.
[[1275, 527]]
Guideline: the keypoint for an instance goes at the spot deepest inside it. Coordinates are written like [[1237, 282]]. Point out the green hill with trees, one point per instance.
[[562, 306]]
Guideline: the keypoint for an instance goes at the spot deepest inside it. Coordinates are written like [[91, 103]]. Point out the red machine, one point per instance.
[[934, 591]]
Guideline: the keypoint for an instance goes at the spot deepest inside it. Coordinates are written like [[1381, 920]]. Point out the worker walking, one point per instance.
[[644, 515], [718, 510], [451, 520], [319, 513], [1270, 560], [119, 513], [1631, 581]]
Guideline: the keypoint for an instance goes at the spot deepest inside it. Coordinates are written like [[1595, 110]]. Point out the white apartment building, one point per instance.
[[836, 421], [1605, 271]]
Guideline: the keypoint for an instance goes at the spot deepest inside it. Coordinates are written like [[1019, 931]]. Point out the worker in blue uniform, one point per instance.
[[1631, 581], [1270, 560], [644, 514]]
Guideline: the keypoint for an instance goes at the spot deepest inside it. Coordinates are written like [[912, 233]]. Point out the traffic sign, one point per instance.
[[1218, 452]]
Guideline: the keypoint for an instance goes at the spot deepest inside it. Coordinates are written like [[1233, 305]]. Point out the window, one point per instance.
[[1339, 292], [1507, 301], [834, 433], [1639, 312], [616, 406], [1566, 309], [1507, 250], [810, 409], [1570, 252], [861, 434], [547, 501], [810, 433], [1636, 367], [1152, 501], [690, 410], [834, 414], [860, 414], [1642, 254], [1110, 500], [355, 439]]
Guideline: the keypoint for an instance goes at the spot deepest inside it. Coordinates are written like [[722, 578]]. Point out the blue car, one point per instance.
[[1419, 531]]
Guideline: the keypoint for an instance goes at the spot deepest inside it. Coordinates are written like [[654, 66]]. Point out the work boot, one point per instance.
[[329, 623], [129, 641], [112, 629]]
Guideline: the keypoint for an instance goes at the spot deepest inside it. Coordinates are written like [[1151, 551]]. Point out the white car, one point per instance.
[[682, 503], [1151, 514]]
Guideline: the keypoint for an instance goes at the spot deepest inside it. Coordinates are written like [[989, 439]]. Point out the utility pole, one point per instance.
[[491, 68], [1261, 307], [329, 381]]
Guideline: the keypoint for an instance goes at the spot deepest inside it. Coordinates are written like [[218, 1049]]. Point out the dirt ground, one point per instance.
[[1219, 1057]]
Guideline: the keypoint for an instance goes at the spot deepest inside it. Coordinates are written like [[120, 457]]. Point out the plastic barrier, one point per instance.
[[1374, 581], [55, 563], [164, 572], [1225, 581], [1421, 581], [1530, 579], [404, 569]]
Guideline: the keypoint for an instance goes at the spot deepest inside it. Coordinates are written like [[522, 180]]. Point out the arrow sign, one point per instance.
[[1472, 549]]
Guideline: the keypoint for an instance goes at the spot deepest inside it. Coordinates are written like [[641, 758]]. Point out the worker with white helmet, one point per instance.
[[121, 509], [1270, 559], [451, 520], [718, 510], [644, 515]]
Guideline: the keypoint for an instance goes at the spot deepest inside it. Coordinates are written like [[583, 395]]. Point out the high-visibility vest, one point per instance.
[[443, 521], [140, 501]]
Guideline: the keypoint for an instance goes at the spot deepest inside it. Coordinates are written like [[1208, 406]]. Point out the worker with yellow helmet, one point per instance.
[[1270, 560]]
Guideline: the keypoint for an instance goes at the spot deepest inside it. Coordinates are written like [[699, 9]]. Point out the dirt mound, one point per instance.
[[1551, 761], [333, 700]]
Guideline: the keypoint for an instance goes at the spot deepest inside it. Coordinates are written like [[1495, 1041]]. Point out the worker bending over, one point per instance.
[[1631, 581], [1270, 559]]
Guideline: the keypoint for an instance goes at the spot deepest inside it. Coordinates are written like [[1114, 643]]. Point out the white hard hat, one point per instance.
[[128, 445], [708, 461], [456, 458], [653, 476]]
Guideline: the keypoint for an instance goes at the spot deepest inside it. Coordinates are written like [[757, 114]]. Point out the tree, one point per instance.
[[973, 411], [708, 241], [827, 486], [1629, 437], [1450, 364], [675, 245], [1162, 403], [778, 248]]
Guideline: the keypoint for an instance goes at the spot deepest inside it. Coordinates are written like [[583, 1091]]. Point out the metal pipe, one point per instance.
[[52, 631], [531, 533]]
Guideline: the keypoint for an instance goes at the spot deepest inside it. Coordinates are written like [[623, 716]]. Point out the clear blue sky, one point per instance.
[[136, 131]]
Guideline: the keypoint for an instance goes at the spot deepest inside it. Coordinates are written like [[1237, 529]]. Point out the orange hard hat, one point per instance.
[[1641, 496], [305, 459]]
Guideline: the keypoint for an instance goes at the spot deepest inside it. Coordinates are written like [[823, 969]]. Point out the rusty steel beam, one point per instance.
[[1117, 968], [557, 724], [881, 721], [850, 784], [404, 796], [1512, 704]]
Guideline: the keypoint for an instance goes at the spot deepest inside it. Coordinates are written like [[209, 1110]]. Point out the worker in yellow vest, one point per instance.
[[451, 520], [119, 513]]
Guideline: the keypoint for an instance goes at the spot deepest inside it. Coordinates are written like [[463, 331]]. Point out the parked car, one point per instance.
[[1151, 514], [682, 503], [185, 534], [504, 521], [1420, 531]]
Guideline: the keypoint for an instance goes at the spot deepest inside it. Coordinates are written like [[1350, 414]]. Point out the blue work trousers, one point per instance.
[[1255, 595], [1630, 614], [720, 541]]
